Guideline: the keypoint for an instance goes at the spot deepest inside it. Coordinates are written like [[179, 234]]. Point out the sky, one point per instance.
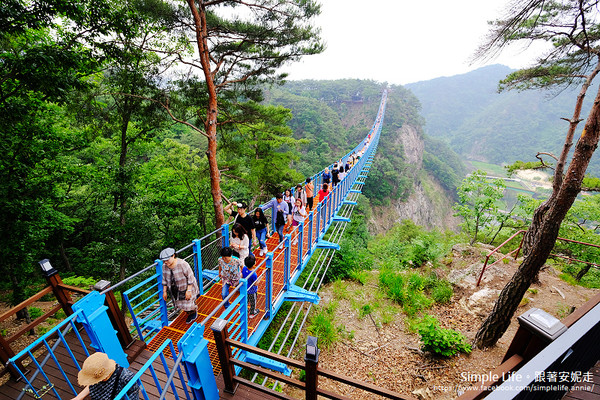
[[403, 41]]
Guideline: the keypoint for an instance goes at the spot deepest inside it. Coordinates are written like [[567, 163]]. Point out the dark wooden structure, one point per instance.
[[137, 356], [234, 383], [524, 347]]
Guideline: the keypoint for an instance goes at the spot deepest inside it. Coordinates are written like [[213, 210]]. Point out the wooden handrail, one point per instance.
[[482, 390], [23, 304], [275, 357], [360, 385], [261, 388], [275, 375], [71, 288], [33, 324], [224, 344]]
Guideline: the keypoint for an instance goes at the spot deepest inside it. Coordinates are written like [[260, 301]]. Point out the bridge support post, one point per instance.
[[287, 260], [311, 217], [225, 235], [319, 210], [300, 243], [197, 249], [269, 286], [196, 361], [164, 314], [97, 324], [219, 328]]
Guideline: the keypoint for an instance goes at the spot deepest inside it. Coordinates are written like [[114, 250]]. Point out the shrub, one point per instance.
[[80, 281], [322, 325], [365, 310], [442, 291], [443, 342], [359, 276], [35, 312]]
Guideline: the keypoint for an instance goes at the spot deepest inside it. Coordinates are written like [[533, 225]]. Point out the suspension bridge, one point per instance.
[[182, 360]]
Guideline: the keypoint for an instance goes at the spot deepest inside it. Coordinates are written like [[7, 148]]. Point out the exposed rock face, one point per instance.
[[413, 146], [428, 205]]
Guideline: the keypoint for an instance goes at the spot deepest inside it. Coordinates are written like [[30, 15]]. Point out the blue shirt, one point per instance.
[[251, 276]]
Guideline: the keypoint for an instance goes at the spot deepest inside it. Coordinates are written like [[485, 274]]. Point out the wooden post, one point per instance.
[[311, 363], [7, 353], [64, 297], [115, 315], [219, 328]]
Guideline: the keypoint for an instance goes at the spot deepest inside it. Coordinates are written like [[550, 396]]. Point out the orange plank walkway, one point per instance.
[[211, 299]]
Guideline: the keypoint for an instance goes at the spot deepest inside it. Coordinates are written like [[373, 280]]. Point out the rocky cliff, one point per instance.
[[428, 204]]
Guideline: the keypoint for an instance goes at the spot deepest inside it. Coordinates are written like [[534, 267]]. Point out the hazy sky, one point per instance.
[[402, 41]]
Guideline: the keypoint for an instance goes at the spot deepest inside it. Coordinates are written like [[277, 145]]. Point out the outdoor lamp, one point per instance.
[[47, 268], [312, 350], [542, 324]]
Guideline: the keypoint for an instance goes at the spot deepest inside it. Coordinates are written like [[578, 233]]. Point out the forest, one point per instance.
[[103, 163]]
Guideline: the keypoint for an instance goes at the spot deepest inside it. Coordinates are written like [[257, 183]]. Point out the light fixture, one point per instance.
[[312, 349], [47, 268], [542, 324]]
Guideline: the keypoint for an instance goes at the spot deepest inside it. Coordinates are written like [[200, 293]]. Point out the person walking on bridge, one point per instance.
[[241, 217], [179, 279], [309, 189], [230, 272]]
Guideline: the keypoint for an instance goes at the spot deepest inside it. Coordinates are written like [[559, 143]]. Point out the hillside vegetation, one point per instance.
[[468, 113]]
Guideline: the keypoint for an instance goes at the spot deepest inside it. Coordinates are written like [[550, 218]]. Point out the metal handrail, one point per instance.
[[487, 258]]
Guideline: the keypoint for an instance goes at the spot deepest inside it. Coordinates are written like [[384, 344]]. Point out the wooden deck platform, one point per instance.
[[11, 390], [587, 390]]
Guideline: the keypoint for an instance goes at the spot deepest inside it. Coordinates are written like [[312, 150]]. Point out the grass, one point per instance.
[[322, 325], [340, 290], [491, 169], [415, 291]]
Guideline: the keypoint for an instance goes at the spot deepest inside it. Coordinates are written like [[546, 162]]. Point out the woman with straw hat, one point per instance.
[[104, 379]]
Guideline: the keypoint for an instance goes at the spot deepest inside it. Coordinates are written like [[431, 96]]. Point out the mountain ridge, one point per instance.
[[468, 113]]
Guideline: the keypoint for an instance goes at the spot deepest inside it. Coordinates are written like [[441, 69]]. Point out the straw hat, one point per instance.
[[96, 368]]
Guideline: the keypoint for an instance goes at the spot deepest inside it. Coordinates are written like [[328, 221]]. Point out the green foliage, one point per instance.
[[35, 312], [478, 204], [353, 257], [359, 276], [443, 163], [590, 183], [407, 245], [518, 165], [365, 310], [322, 325], [80, 281], [442, 291], [439, 341], [412, 290]]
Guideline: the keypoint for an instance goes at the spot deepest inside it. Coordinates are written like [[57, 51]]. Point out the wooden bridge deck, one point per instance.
[[11, 389], [137, 357], [587, 390], [211, 299]]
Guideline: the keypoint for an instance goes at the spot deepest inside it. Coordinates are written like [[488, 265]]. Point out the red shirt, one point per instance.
[[322, 195]]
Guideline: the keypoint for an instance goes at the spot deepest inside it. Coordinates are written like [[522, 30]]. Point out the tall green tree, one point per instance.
[[124, 126], [571, 29], [241, 44], [44, 53], [478, 203]]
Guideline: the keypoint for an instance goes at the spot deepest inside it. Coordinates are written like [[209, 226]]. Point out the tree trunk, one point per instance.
[[583, 271], [543, 233], [210, 125], [538, 215]]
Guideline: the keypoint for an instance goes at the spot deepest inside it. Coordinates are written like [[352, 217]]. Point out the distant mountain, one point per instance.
[[481, 124]]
